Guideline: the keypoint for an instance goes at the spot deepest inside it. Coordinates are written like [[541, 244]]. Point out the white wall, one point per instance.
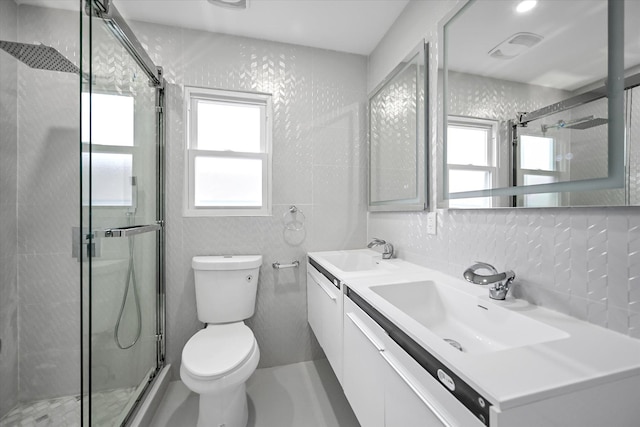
[[318, 165], [580, 261], [8, 218]]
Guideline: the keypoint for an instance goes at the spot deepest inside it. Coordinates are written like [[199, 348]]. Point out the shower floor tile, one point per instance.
[[65, 411], [304, 394]]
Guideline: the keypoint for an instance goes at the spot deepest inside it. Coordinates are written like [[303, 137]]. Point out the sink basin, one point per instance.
[[465, 320], [351, 261]]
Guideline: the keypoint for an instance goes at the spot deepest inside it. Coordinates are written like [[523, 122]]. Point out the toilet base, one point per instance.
[[228, 409]]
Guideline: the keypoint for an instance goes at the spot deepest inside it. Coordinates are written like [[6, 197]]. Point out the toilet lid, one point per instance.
[[217, 349]]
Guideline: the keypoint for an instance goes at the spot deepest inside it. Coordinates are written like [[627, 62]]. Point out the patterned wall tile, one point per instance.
[[8, 219], [633, 266], [313, 116], [597, 258]]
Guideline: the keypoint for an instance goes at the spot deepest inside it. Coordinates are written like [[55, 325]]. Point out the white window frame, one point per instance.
[[264, 101], [492, 150]]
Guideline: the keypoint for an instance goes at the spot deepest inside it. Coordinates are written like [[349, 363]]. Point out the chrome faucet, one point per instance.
[[500, 282], [388, 247]]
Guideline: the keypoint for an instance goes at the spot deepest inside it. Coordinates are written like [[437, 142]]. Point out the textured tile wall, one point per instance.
[[584, 262], [318, 164], [8, 218], [580, 261], [48, 277]]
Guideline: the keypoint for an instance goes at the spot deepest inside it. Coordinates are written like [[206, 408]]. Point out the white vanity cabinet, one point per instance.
[[324, 308], [364, 369], [386, 387]]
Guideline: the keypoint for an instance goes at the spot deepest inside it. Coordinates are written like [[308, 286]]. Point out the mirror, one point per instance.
[[537, 104], [397, 137]]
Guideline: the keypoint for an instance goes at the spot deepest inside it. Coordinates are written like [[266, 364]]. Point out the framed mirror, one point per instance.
[[397, 127], [537, 104]]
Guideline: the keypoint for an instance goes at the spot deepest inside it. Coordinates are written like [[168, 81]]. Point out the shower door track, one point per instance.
[[106, 11]]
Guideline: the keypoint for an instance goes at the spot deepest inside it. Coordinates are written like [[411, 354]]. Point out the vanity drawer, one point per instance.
[[324, 305], [412, 396]]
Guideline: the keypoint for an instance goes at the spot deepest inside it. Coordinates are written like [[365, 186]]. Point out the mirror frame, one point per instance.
[[420, 202], [615, 140]]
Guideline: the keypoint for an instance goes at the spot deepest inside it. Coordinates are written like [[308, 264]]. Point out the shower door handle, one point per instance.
[[131, 230]]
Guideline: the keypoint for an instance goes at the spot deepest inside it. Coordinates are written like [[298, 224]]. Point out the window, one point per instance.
[[471, 159], [228, 153], [538, 166], [111, 148]]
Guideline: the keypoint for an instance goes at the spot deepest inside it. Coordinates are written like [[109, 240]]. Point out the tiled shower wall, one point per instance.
[[318, 165], [8, 218], [581, 261], [48, 189]]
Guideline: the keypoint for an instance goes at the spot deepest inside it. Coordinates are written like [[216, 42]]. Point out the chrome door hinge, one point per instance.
[[159, 109], [160, 222]]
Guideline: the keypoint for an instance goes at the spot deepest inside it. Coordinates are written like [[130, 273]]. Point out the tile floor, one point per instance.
[[65, 411], [304, 394]]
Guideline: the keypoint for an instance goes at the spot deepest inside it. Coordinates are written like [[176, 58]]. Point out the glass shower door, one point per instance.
[[120, 197]]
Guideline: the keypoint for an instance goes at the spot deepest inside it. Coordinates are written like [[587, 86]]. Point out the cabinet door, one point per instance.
[[324, 301], [363, 367], [314, 308], [332, 328], [405, 405]]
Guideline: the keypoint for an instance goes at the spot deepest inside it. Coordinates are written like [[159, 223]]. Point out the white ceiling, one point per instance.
[[354, 26], [572, 54]]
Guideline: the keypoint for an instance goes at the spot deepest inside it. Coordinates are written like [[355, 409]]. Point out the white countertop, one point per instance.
[[590, 355]]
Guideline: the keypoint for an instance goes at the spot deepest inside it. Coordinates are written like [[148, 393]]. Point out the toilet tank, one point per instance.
[[226, 287]]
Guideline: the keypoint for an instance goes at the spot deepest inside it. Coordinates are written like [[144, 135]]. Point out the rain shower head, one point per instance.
[[580, 124], [39, 56], [587, 124]]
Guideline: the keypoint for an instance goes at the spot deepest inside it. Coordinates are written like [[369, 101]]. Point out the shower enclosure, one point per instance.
[[81, 215]]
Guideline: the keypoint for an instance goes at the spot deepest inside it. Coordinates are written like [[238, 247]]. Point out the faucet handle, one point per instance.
[[376, 242], [479, 264]]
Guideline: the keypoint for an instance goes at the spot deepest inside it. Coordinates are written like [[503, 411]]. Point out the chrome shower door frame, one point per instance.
[[106, 11]]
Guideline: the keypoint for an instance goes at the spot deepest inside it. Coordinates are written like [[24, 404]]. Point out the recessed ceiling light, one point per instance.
[[526, 6]]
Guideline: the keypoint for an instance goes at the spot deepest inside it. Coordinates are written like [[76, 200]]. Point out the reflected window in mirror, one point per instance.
[[558, 80], [471, 159]]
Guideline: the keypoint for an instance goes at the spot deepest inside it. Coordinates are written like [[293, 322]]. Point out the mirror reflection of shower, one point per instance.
[[580, 124]]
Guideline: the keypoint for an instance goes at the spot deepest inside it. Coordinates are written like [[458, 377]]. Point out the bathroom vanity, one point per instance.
[[415, 347]]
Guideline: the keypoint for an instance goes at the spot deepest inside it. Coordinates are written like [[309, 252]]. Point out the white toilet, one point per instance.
[[218, 360]]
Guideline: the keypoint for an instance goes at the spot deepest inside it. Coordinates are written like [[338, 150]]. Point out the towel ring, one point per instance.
[[293, 219]]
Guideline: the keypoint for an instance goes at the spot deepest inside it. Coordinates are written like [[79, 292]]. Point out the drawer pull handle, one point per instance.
[[365, 331], [415, 389], [322, 285]]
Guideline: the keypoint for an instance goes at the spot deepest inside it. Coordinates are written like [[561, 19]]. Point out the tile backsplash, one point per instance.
[[584, 262]]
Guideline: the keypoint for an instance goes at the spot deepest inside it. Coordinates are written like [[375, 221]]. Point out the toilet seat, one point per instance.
[[218, 350]]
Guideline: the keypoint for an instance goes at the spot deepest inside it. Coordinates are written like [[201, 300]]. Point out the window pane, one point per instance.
[[543, 199], [110, 178], [468, 180], [468, 146], [537, 153], [227, 182], [225, 126], [112, 119]]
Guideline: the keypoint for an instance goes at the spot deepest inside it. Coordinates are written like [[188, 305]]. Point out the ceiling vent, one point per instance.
[[515, 45], [230, 4]]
